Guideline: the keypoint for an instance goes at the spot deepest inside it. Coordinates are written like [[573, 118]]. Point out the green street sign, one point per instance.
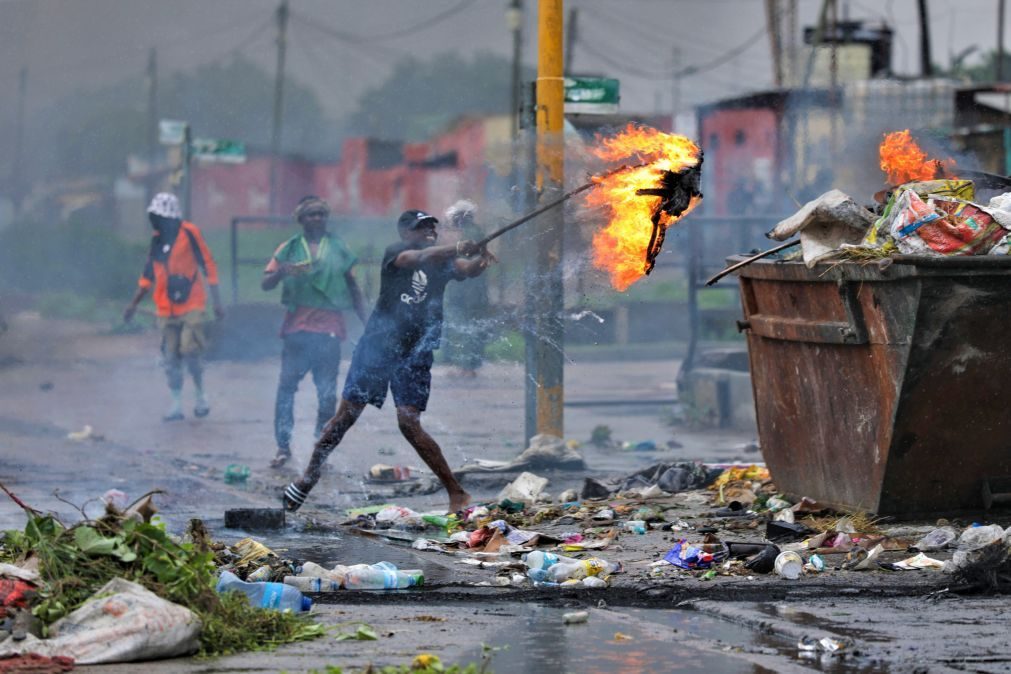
[[218, 150], [594, 95]]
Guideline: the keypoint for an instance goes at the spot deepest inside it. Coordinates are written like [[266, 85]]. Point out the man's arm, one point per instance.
[[210, 273], [357, 297], [413, 259], [474, 266], [131, 308]]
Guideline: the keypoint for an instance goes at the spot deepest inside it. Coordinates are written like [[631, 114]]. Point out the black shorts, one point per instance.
[[372, 372]]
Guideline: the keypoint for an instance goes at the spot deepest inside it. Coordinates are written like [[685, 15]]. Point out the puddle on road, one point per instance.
[[541, 642], [661, 640]]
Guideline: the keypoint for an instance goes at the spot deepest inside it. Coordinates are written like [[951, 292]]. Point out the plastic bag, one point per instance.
[[524, 489], [975, 538], [958, 189], [123, 622], [942, 226]]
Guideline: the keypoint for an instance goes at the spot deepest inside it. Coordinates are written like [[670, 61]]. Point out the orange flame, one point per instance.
[[903, 160], [620, 248]]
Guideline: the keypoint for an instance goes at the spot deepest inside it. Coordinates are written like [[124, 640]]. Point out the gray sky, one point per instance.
[[68, 44]]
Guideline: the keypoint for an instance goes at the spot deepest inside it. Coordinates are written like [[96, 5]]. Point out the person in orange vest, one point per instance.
[[178, 265]]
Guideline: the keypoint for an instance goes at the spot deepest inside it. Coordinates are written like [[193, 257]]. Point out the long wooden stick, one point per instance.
[[557, 202], [754, 258]]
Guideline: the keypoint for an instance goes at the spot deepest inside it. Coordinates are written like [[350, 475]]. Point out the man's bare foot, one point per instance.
[[458, 502]]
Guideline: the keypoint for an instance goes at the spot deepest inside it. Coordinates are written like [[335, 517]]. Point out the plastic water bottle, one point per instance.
[[312, 584], [382, 576], [538, 559], [277, 596]]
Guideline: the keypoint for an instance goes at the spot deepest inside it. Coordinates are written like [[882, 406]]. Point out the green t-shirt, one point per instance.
[[324, 286]]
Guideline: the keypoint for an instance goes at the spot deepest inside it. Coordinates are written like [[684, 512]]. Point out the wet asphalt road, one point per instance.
[[57, 377]]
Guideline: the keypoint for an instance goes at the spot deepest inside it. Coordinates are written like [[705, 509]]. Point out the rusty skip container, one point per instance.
[[882, 387]]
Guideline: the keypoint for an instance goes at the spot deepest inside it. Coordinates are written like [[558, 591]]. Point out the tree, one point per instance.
[[95, 131], [421, 97], [985, 70]]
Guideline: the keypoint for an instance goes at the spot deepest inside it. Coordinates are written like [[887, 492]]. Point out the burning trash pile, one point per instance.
[[120, 588], [929, 210]]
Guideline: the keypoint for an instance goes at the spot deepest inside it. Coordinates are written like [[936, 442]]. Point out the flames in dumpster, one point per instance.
[[904, 161], [643, 201]]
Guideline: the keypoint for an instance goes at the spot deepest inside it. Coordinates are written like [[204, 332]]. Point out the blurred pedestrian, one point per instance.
[[466, 303], [316, 270], [178, 264], [396, 352]]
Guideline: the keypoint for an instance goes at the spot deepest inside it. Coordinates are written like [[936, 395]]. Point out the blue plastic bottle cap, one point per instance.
[[306, 603]]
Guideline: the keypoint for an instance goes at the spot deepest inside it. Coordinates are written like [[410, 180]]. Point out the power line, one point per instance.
[[427, 23], [388, 52], [663, 73]]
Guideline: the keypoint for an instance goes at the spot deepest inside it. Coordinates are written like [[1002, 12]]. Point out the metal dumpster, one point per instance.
[[882, 387]]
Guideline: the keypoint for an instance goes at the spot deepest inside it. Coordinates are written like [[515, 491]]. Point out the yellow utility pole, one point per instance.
[[549, 295]]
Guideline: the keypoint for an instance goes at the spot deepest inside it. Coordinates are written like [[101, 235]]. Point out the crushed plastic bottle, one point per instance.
[[636, 526], [277, 596], [382, 576]]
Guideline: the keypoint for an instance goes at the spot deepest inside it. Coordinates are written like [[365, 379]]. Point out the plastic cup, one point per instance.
[[789, 565]]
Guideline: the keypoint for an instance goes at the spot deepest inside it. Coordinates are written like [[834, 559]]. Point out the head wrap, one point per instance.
[[309, 203], [460, 210], [166, 205]]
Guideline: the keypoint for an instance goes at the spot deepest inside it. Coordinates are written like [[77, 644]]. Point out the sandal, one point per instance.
[[281, 458]]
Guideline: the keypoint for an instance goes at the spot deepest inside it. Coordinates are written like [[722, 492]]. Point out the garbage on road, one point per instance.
[[122, 622], [546, 452], [120, 588]]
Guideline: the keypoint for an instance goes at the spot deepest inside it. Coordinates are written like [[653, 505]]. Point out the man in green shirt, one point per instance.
[[316, 270]]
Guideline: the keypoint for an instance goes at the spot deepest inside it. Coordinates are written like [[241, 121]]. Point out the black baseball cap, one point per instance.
[[411, 219]]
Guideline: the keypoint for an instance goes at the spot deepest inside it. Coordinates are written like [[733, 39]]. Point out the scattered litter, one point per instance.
[[546, 452], [86, 433], [861, 559], [938, 539], [815, 564], [276, 596], [124, 622], [236, 473], [917, 562], [789, 565], [576, 617], [976, 537], [524, 489], [382, 473], [362, 632]]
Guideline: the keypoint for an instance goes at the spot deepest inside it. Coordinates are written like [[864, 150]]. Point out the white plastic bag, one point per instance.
[[123, 622], [524, 489]]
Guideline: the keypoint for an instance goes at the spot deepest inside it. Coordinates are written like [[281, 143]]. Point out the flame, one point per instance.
[[620, 248], [903, 160]]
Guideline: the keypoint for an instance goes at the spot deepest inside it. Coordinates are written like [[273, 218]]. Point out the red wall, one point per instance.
[[740, 146]]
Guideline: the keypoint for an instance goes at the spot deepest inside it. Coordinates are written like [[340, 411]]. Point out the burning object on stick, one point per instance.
[[661, 189]]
